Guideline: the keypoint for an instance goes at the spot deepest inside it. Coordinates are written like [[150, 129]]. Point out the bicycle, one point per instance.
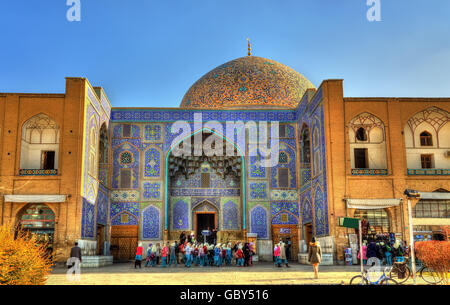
[[401, 272], [364, 279]]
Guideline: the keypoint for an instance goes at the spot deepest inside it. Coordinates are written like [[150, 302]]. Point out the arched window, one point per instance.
[[103, 148], [283, 158], [126, 158], [39, 146], [378, 219], [426, 139], [305, 145], [39, 219], [361, 134]]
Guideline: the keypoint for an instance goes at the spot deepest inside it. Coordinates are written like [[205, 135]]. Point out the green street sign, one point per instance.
[[348, 222]]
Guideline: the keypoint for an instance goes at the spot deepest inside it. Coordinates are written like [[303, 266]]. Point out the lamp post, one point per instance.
[[411, 194]]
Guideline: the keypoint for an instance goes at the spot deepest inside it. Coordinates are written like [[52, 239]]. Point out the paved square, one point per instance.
[[259, 274]]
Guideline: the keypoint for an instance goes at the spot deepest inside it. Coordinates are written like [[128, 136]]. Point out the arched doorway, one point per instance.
[[205, 217], [39, 220], [191, 173]]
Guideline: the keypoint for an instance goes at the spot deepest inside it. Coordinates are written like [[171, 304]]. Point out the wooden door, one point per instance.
[[100, 239], [124, 241], [286, 233]]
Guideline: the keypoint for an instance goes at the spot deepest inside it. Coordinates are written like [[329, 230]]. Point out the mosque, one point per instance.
[[74, 168]]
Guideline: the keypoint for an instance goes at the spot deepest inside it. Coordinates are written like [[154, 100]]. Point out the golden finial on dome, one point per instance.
[[249, 47]]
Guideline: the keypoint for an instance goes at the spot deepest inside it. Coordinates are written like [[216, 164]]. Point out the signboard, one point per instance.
[[348, 222], [285, 231]]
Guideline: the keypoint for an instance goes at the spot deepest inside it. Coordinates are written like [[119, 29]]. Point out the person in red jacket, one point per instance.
[[138, 260], [164, 253], [240, 256]]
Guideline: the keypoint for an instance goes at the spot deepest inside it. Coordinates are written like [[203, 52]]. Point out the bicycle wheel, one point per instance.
[[388, 281], [358, 280], [429, 276], [400, 274]]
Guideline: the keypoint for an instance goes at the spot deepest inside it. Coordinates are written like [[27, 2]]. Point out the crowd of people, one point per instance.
[[189, 252], [386, 252]]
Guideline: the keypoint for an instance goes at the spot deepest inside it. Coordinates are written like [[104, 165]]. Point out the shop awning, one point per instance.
[[35, 198], [372, 204], [434, 195]]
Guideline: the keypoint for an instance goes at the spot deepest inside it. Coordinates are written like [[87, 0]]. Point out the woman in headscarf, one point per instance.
[[149, 253], [315, 256], [364, 253], [240, 256], [252, 252], [172, 253], [164, 254], [158, 253], [188, 250], [397, 249], [217, 255], [153, 256], [138, 259], [246, 251], [371, 250], [283, 258], [228, 260], [276, 254]]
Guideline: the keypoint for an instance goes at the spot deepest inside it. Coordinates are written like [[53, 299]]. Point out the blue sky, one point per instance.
[[147, 53]]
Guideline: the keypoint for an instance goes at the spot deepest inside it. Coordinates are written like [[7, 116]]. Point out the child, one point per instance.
[[240, 256]]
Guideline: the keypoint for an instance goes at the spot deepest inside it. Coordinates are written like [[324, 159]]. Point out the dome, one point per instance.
[[248, 81]]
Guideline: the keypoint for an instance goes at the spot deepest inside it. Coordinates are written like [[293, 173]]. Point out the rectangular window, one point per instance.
[[284, 217], [126, 131], [125, 178], [361, 158], [283, 177], [48, 160], [282, 131], [427, 161], [206, 180]]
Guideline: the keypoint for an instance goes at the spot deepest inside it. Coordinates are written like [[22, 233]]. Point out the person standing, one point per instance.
[[188, 251], [173, 254], [164, 254], [240, 256], [276, 254], [288, 249], [315, 256], [182, 238], [214, 236], [149, 255], [153, 256], [138, 259], [283, 258], [364, 253], [75, 252], [371, 250], [246, 251]]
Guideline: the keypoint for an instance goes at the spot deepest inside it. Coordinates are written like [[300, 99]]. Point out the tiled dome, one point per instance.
[[248, 81]]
